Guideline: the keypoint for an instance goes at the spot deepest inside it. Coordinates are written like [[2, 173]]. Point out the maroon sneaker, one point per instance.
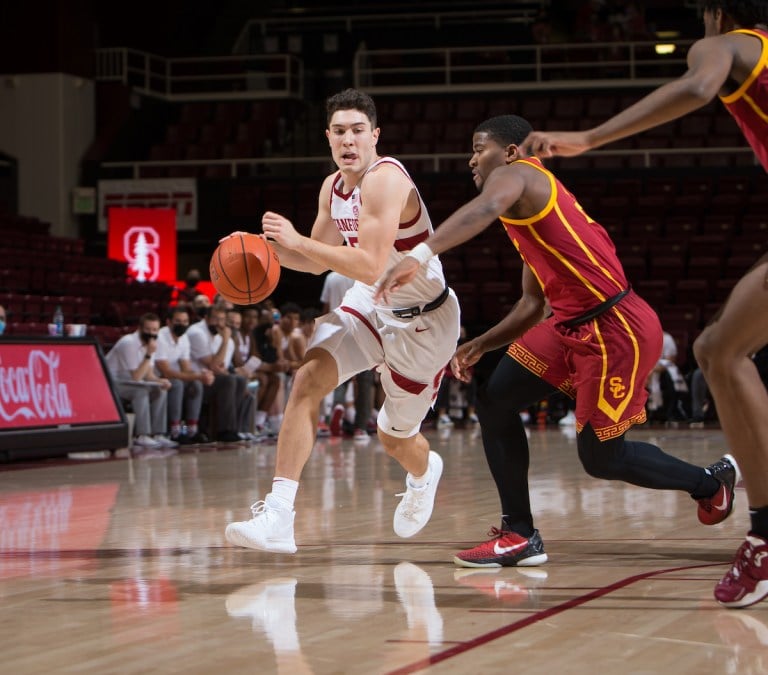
[[715, 509], [747, 581], [504, 549], [337, 417]]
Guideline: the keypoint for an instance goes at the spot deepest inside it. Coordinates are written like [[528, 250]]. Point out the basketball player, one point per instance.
[[731, 62], [598, 345], [371, 205]]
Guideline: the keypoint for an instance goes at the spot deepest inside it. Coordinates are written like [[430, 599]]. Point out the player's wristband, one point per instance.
[[421, 252]]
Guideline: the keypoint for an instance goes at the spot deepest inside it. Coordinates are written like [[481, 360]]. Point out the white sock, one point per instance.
[[284, 491], [259, 418], [419, 481], [349, 414]]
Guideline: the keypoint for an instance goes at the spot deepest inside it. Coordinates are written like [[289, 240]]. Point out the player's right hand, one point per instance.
[[555, 143]]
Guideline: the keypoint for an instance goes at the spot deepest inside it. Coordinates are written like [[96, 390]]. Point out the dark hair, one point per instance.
[[178, 309], [505, 129], [309, 314], [290, 308], [746, 13], [148, 316], [351, 99]]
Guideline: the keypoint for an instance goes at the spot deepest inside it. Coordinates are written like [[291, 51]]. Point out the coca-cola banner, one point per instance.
[[46, 384], [146, 240]]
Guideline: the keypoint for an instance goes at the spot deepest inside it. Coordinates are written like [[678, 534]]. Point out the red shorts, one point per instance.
[[603, 363]]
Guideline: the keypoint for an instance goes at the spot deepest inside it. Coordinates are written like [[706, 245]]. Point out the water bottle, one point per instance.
[[58, 321]]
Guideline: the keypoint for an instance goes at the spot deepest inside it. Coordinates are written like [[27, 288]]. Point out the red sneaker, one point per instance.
[[747, 581], [504, 549], [718, 507], [337, 417]]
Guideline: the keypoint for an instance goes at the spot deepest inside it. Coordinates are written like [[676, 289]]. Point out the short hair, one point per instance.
[[505, 129], [309, 314], [746, 13], [180, 308], [351, 99], [290, 308], [148, 316]]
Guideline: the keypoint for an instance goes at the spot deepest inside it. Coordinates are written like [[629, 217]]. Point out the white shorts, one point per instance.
[[410, 354]]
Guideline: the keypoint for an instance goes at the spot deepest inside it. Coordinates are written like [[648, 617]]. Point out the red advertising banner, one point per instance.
[[146, 240], [49, 385]]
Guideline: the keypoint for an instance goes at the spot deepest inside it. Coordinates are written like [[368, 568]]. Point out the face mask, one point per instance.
[[178, 329], [2, 326], [192, 282], [146, 337], [213, 328], [202, 312]]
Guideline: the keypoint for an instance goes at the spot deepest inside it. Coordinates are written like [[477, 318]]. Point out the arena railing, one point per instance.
[[437, 162], [517, 67], [274, 76]]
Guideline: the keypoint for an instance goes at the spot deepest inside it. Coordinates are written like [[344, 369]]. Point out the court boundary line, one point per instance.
[[503, 631]]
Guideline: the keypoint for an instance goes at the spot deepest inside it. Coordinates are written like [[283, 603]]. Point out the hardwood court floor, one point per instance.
[[121, 566]]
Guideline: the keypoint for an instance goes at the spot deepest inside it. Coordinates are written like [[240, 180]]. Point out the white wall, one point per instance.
[[47, 122]]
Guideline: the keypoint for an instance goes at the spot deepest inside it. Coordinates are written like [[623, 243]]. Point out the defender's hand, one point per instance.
[[396, 277]]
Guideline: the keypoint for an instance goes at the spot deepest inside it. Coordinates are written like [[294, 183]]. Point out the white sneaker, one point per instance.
[[270, 605], [164, 441], [270, 529], [473, 419], [417, 596], [569, 420], [415, 508], [444, 421], [146, 442]]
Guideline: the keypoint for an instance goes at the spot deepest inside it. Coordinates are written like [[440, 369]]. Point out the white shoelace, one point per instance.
[[257, 508], [412, 502]]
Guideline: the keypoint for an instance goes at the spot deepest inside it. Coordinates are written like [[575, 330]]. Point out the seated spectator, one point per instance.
[[210, 345], [200, 306], [667, 389], [467, 392], [257, 369], [131, 363], [3, 320], [190, 292], [172, 361], [244, 369]]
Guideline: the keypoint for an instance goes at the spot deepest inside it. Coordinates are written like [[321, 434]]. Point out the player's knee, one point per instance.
[[599, 459]]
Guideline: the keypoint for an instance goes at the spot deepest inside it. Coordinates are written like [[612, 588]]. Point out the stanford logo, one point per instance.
[[32, 391], [141, 249]]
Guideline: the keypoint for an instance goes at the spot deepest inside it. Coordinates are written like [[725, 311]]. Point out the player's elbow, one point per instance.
[[701, 90]]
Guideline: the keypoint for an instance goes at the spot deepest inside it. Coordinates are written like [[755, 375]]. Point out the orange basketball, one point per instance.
[[245, 269]]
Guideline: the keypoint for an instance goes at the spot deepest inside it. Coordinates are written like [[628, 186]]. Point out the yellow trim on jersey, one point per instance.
[[762, 62], [550, 203], [529, 222], [615, 413]]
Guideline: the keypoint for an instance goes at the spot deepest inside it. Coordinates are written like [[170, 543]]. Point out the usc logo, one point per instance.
[[617, 387]]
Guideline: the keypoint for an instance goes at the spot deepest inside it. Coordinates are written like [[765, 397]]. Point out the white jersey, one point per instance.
[[429, 282]]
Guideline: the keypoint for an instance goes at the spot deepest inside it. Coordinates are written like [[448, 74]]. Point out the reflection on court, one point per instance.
[[121, 566]]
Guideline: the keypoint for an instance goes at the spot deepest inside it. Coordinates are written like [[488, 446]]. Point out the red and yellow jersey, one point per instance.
[[749, 103], [571, 255]]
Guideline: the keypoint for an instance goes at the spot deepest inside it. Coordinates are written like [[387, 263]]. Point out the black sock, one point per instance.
[[759, 518], [520, 527]]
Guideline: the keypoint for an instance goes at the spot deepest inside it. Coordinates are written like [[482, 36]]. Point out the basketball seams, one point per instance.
[[234, 292]]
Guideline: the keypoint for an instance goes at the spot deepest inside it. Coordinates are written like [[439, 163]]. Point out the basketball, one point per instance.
[[245, 269]]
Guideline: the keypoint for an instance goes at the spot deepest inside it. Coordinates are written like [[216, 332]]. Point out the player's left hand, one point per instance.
[[280, 229], [466, 356], [397, 276]]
